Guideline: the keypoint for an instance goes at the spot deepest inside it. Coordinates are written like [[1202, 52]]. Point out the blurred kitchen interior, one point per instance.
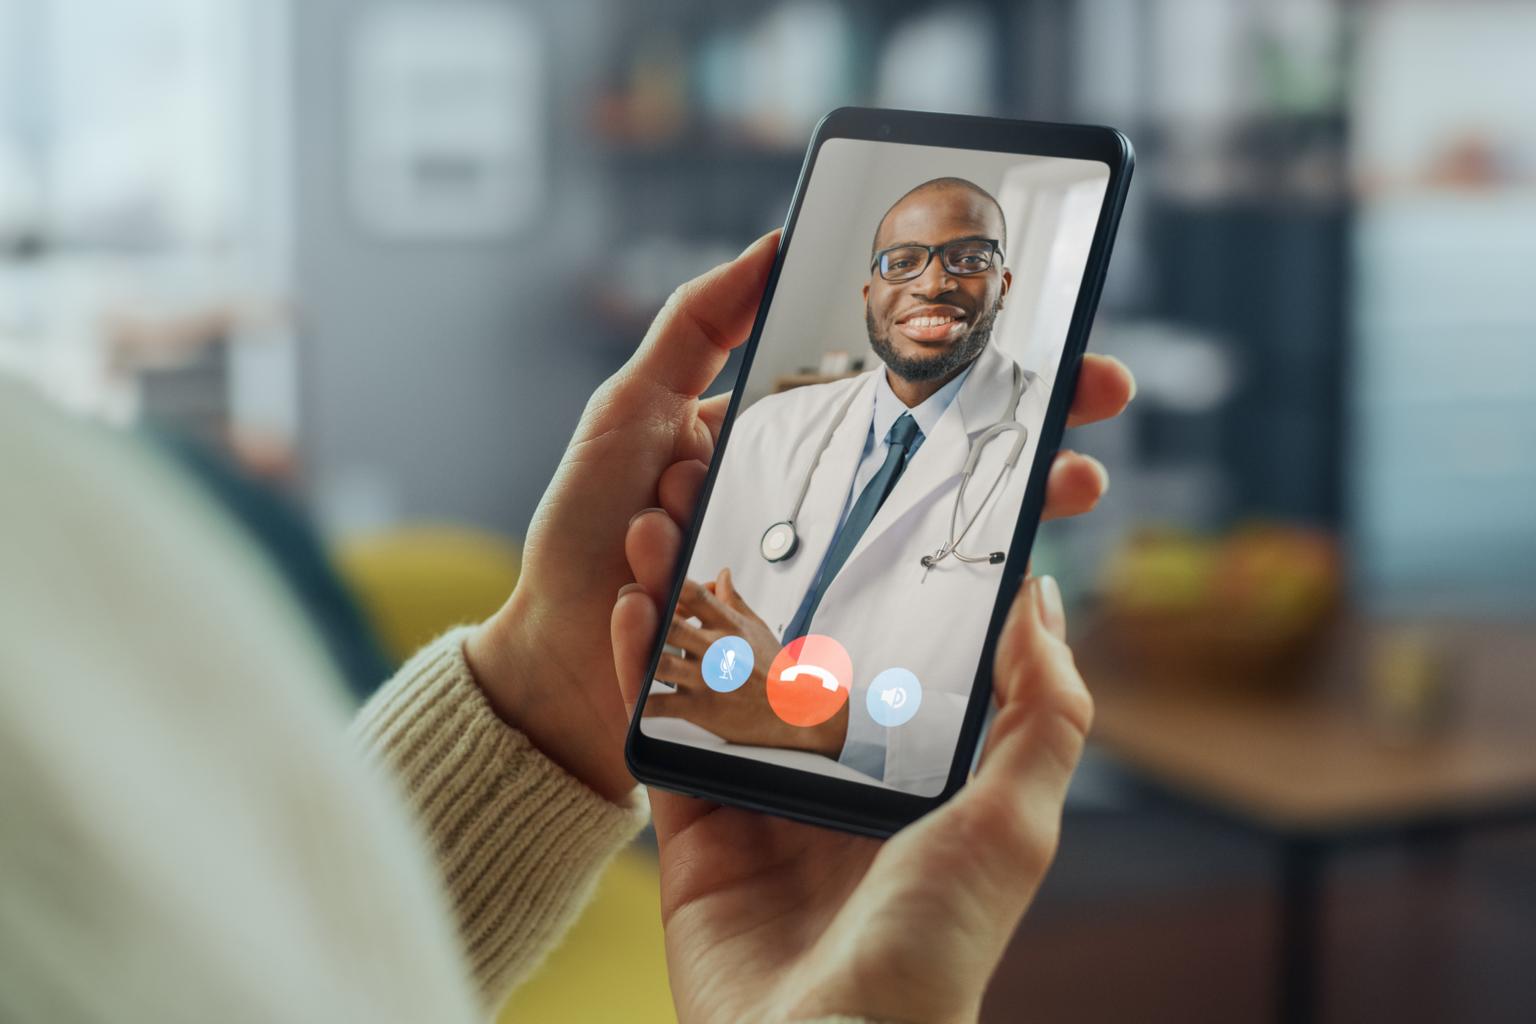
[[373, 256]]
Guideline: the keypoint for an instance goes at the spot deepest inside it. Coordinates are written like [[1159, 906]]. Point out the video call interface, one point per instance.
[[852, 547]]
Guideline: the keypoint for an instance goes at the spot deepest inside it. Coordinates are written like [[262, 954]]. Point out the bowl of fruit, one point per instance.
[[1248, 605]]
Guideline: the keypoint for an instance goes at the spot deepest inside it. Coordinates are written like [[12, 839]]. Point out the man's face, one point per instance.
[[934, 325]]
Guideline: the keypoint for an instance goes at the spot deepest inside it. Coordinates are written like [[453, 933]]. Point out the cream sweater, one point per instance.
[[187, 832], [518, 841]]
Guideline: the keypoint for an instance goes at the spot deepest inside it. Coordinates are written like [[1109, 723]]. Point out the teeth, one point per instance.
[[930, 321]]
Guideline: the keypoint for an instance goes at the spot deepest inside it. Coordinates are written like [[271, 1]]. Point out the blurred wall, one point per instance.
[[440, 378]]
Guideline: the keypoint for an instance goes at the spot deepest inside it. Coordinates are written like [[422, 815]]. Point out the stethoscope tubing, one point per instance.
[[787, 544]]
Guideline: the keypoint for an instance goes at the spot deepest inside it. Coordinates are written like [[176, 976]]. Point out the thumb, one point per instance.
[[991, 844], [949, 890], [725, 590], [688, 342], [634, 625], [1044, 713], [633, 629]]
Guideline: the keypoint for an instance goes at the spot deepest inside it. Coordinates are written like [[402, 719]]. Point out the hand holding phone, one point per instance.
[[646, 439], [542, 658], [876, 523], [773, 919]]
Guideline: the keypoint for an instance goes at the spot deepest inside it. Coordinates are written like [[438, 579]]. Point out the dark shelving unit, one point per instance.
[[1262, 269]]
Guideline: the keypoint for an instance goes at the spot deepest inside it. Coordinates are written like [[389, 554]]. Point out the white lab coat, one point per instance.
[[880, 606]]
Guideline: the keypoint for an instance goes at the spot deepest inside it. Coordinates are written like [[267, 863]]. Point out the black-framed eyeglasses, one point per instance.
[[964, 257]]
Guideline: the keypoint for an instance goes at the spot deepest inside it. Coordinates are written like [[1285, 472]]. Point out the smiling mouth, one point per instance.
[[933, 323]]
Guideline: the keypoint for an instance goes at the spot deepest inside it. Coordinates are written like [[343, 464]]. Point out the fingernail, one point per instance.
[[1128, 373], [1103, 473], [644, 512], [629, 588], [1048, 606], [752, 243]]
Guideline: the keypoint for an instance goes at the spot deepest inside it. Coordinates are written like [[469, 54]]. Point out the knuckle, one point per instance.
[[1063, 745], [1068, 694], [603, 398], [678, 298]]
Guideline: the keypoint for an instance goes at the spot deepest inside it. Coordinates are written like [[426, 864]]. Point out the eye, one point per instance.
[[969, 260]]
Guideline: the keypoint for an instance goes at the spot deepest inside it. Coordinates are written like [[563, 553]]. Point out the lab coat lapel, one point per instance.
[[983, 401], [935, 470], [828, 494]]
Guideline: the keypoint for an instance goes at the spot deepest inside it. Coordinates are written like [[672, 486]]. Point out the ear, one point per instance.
[[1007, 283], [865, 292]]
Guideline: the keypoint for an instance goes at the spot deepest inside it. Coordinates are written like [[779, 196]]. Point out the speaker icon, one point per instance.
[[894, 697]]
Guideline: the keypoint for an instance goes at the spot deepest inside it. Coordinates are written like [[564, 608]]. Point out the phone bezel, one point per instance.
[[822, 800]]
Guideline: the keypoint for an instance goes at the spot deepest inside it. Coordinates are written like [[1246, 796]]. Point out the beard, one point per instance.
[[946, 363]]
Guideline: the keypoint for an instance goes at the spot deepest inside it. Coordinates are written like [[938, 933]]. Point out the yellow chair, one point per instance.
[[415, 582], [612, 966]]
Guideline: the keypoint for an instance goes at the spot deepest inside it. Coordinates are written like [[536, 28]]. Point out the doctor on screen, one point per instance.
[[875, 511]]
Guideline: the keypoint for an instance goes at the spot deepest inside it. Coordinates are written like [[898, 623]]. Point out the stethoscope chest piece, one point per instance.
[[779, 541]]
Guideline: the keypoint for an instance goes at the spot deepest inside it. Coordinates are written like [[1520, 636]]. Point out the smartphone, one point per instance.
[[827, 648]]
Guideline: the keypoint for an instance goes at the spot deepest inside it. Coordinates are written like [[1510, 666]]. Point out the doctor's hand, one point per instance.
[[743, 715], [544, 659], [770, 920]]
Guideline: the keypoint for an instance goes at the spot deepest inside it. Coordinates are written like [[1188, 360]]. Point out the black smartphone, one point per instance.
[[827, 650]]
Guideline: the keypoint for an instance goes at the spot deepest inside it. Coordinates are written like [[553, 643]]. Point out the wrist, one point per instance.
[[567, 713], [837, 733], [828, 738]]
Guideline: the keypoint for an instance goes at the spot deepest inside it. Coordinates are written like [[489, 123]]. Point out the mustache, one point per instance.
[[923, 368]]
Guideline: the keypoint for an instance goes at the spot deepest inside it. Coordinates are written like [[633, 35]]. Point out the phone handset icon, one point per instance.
[[827, 679], [808, 681]]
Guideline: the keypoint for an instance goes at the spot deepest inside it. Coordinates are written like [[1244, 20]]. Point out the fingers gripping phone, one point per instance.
[[869, 512]]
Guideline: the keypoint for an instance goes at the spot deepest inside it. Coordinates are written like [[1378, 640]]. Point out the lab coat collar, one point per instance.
[[983, 401], [888, 408]]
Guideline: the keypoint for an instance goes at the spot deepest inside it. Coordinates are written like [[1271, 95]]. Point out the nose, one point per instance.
[[934, 280]]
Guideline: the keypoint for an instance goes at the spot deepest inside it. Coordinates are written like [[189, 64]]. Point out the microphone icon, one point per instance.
[[727, 664]]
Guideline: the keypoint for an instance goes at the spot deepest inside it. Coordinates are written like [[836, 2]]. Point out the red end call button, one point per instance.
[[808, 682]]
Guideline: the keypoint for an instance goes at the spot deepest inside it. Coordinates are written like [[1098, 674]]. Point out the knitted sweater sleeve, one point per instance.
[[519, 842]]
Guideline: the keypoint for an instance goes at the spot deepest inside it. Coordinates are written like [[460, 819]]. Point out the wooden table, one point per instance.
[[1305, 761]]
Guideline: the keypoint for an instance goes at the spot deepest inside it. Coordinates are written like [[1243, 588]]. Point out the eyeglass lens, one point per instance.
[[908, 261]]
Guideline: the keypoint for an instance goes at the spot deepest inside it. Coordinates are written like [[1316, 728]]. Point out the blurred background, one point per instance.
[[358, 263]]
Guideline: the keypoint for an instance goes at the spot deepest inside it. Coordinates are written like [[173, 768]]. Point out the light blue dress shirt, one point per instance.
[[864, 747], [888, 409]]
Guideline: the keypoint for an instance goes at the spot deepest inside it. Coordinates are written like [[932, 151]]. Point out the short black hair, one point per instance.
[[934, 184]]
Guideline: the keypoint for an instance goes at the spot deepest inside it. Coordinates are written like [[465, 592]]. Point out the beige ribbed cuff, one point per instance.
[[519, 841]]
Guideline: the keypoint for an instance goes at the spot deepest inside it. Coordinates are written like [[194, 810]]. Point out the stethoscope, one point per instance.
[[781, 540]]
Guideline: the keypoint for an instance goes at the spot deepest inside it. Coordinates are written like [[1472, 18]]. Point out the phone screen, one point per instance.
[[850, 551]]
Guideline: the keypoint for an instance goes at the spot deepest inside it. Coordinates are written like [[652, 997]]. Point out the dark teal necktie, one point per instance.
[[899, 441]]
